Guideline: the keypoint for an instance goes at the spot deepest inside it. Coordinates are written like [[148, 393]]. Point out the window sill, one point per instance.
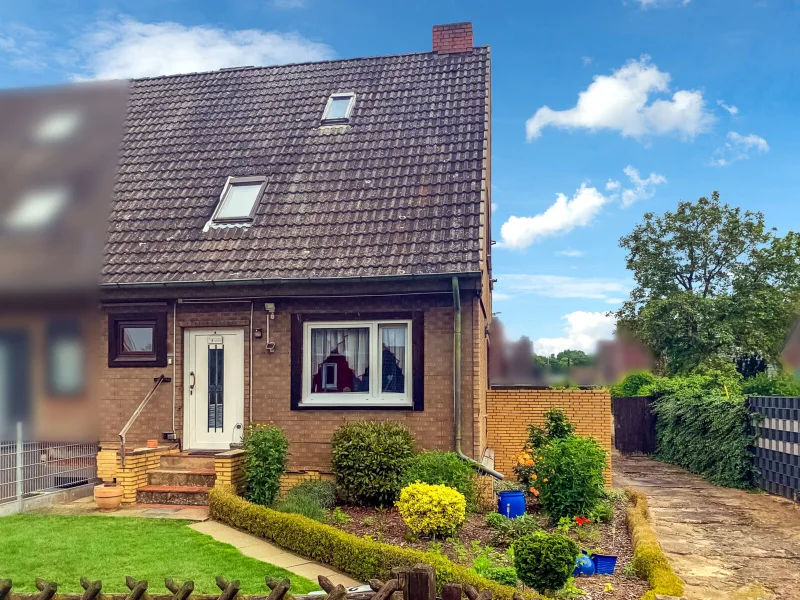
[[333, 405]]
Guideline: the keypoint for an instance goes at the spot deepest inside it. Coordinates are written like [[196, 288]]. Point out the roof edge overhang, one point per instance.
[[290, 281]]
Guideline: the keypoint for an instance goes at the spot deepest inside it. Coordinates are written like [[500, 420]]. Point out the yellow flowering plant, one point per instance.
[[431, 509]]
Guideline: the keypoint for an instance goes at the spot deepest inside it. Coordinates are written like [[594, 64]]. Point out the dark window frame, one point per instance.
[[117, 322], [64, 328], [417, 319], [232, 182]]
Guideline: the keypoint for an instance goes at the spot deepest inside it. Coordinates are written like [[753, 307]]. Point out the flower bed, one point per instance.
[[386, 525]]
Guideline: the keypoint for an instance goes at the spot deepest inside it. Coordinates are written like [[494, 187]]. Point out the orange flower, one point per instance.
[[534, 476], [529, 463], [545, 480], [534, 491]]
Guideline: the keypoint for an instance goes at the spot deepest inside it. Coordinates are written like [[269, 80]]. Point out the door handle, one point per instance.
[[191, 382]]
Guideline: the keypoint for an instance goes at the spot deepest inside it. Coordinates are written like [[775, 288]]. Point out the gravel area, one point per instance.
[[613, 538]]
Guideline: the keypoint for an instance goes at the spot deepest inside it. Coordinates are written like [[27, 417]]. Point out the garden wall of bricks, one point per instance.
[[511, 409], [777, 452]]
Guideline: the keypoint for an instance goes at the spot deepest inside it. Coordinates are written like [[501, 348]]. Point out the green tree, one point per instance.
[[713, 283]]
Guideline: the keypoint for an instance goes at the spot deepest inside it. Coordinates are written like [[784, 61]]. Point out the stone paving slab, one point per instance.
[[86, 506], [726, 544], [257, 548]]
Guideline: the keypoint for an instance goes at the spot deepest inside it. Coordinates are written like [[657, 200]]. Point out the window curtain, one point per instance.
[[353, 343], [393, 358]]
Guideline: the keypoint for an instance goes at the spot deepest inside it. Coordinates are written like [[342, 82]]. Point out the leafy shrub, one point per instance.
[[569, 476], [443, 468], [631, 385], [649, 561], [369, 459], [301, 504], [324, 492], [431, 509], [557, 426], [266, 450], [361, 559], [762, 384], [340, 517], [507, 530], [503, 575], [545, 561], [704, 429]]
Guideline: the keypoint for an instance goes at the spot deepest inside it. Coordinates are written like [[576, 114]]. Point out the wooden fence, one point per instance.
[[418, 583], [634, 425]]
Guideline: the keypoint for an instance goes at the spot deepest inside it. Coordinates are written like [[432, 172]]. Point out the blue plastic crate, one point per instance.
[[604, 564]]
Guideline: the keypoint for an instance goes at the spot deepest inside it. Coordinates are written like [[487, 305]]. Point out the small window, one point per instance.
[[138, 340], [366, 363], [37, 209], [65, 358], [57, 127], [338, 108], [239, 199]]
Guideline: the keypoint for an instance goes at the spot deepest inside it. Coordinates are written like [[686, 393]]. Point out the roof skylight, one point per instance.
[[339, 108], [238, 199]]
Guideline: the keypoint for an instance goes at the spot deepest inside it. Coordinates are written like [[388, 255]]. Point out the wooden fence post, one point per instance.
[[422, 583]]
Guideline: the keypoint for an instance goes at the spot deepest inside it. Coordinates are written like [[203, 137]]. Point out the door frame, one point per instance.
[[188, 404]]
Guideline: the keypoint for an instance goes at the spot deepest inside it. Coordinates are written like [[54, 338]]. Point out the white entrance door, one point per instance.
[[213, 388]]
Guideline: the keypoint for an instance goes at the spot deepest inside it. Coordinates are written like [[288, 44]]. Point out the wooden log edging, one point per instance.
[[418, 583]]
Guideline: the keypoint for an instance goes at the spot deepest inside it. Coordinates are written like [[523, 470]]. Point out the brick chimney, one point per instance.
[[455, 37]]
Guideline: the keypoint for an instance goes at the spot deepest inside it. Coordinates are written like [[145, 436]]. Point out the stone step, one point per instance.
[[186, 462], [177, 495], [182, 477]]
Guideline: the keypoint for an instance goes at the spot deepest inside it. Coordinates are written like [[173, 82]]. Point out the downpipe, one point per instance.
[[457, 383]]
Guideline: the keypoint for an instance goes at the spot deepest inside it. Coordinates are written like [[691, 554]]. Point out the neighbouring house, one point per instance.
[[58, 151], [302, 245]]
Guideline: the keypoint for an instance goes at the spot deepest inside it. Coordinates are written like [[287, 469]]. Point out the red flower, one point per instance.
[[582, 520]]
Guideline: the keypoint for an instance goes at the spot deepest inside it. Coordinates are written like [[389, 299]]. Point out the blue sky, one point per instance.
[[677, 99]]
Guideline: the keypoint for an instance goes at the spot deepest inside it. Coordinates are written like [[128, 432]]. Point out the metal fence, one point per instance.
[[777, 452], [31, 469]]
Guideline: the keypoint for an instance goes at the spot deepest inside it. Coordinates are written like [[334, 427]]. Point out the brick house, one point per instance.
[[293, 244]]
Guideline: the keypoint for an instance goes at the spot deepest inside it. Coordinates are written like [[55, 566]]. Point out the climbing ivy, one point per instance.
[[703, 425]]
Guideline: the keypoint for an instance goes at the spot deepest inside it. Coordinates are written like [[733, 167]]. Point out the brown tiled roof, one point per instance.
[[398, 191]]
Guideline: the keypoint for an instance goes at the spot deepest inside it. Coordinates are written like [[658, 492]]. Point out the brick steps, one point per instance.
[[176, 495], [181, 480], [184, 461], [182, 477]]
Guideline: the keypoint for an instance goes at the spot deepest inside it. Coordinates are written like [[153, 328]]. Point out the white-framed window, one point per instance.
[[339, 108], [239, 199], [357, 363]]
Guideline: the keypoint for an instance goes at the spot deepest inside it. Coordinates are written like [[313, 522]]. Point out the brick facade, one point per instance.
[[309, 431], [511, 410]]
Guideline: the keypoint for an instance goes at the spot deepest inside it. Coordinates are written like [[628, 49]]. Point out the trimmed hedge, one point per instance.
[[360, 558], [649, 561]]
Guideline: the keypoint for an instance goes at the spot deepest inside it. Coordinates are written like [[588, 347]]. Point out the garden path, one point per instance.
[[264, 551], [726, 544]]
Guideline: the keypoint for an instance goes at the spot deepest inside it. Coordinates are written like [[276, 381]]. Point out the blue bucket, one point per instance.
[[604, 564], [511, 504], [584, 566]]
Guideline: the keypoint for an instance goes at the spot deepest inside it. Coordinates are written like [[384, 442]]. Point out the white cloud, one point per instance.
[[662, 3], [613, 186], [289, 4], [25, 48], [128, 49], [562, 216], [623, 102], [561, 286], [738, 147], [733, 110], [614, 300], [570, 252], [587, 60], [642, 188], [583, 331]]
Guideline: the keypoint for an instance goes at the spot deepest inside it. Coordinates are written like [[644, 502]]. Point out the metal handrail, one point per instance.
[[135, 416]]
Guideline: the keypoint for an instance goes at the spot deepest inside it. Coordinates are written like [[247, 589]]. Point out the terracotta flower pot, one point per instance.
[[108, 497]]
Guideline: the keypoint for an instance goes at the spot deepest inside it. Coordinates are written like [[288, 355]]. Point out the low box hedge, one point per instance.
[[649, 561], [360, 558]]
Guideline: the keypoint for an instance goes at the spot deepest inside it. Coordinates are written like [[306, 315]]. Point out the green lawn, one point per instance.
[[65, 548]]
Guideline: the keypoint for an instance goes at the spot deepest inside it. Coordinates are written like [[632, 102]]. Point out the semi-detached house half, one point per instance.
[[303, 245]]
